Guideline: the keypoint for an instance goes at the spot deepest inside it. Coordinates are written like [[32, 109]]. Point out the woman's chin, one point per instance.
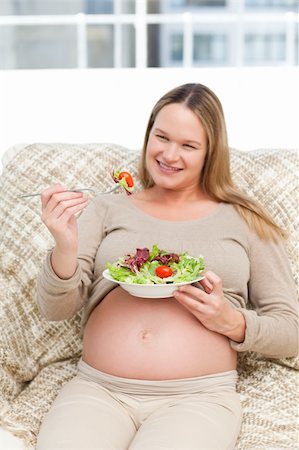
[[167, 185], [167, 181]]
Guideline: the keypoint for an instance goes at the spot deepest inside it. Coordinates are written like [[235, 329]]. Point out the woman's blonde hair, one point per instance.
[[216, 180]]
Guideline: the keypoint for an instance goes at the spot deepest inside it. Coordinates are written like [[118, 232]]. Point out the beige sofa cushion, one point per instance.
[[37, 357]]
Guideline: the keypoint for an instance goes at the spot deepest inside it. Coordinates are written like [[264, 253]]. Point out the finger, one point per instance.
[[59, 224], [59, 198], [64, 210], [194, 292], [47, 193], [57, 217], [214, 282], [72, 211], [206, 285], [188, 302], [66, 203]]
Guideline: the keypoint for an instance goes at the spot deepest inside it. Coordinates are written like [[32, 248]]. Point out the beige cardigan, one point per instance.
[[255, 273]]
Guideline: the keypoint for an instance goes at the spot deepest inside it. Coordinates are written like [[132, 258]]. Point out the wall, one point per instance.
[[112, 105]]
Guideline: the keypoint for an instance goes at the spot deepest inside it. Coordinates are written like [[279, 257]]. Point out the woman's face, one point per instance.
[[176, 148]]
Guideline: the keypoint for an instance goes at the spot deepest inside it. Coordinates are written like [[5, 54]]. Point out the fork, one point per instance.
[[114, 188]]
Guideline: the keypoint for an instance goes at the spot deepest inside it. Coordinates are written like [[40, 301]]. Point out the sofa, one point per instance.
[[37, 356]]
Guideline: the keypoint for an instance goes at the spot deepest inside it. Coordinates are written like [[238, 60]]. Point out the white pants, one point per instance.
[[97, 411]]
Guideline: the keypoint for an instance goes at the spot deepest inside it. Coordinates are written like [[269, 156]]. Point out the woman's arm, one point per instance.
[[271, 327], [272, 323], [65, 278], [59, 209]]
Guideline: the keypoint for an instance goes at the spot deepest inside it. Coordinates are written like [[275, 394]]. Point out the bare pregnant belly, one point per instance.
[[152, 339]]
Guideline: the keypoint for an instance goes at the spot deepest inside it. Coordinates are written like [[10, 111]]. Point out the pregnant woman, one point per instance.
[[159, 374]]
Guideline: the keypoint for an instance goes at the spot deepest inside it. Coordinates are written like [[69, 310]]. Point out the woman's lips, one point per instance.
[[167, 168]]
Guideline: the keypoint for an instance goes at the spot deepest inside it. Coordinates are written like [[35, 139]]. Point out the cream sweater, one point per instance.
[[255, 273]]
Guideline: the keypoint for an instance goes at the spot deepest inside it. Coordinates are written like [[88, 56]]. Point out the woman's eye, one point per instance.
[[163, 138], [190, 146]]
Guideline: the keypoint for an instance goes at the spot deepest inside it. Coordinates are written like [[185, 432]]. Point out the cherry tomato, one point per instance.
[[163, 271], [128, 177]]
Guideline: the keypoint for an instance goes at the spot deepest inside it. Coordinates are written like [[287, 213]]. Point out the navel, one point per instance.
[[145, 335]]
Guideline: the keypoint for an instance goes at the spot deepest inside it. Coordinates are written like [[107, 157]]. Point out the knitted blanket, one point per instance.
[[37, 356]]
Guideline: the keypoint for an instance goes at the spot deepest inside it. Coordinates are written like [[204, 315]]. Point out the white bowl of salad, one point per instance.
[[155, 273]]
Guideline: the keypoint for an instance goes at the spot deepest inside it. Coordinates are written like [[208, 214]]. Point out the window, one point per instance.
[[209, 3], [210, 49], [37, 34], [262, 48], [55, 47], [101, 39], [40, 7], [197, 3], [176, 47], [297, 48], [285, 4], [96, 7], [107, 6]]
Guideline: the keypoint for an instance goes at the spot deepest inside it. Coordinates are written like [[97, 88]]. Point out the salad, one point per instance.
[[125, 179], [156, 266]]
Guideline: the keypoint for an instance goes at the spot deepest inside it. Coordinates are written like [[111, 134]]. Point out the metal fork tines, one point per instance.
[[114, 188]]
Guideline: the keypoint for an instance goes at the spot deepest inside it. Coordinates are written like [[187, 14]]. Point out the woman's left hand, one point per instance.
[[211, 308]]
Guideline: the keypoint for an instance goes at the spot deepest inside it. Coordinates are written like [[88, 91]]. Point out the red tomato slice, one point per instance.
[[128, 177], [163, 271]]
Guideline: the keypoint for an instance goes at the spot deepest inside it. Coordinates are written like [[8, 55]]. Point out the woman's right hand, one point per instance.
[[59, 209]]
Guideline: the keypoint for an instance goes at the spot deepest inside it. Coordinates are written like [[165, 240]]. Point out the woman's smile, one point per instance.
[[168, 168]]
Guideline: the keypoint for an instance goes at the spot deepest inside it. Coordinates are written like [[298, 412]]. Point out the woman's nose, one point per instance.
[[171, 152]]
